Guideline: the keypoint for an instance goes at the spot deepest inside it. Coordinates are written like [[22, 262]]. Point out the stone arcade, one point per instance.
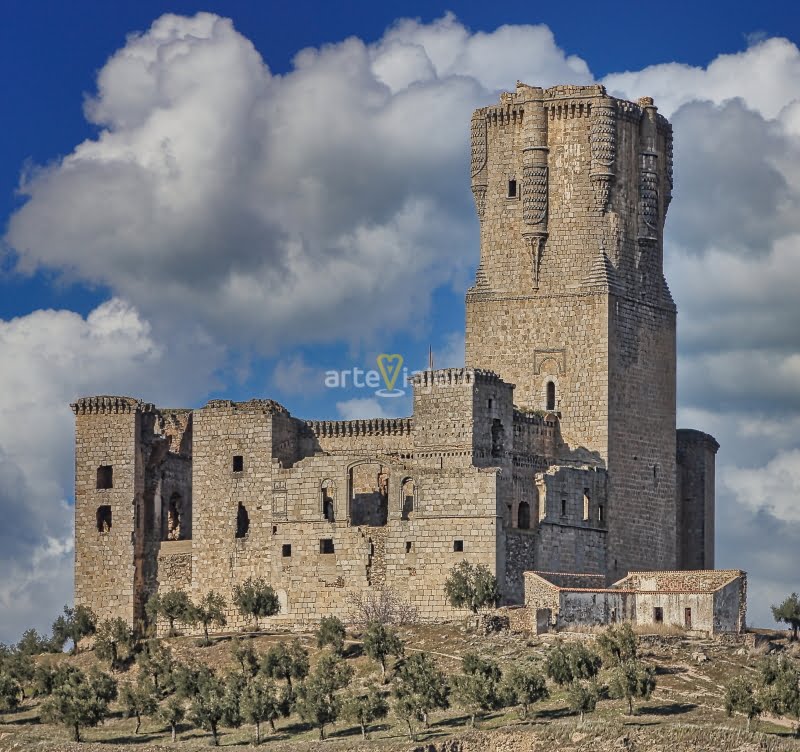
[[555, 448]]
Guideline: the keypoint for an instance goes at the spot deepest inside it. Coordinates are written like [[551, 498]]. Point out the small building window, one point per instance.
[[286, 549], [105, 477], [613, 616], [524, 515], [563, 507], [328, 490], [489, 403], [407, 494], [512, 188], [326, 546], [238, 463], [103, 518], [586, 503], [274, 529], [458, 546], [409, 547], [687, 618], [600, 513], [551, 395], [242, 521], [658, 615]]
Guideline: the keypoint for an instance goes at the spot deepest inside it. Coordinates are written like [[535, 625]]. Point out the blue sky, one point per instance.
[[318, 213]]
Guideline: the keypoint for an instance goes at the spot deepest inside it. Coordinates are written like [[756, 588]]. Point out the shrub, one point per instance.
[[365, 708], [331, 632], [631, 680], [582, 698], [74, 624], [420, 687], [112, 638], [471, 586], [80, 700], [380, 642], [740, 698], [255, 597], [571, 662], [524, 685], [477, 687], [286, 662]]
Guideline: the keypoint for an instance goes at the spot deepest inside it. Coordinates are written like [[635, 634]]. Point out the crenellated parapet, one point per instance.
[[455, 377], [108, 405], [265, 406], [332, 429]]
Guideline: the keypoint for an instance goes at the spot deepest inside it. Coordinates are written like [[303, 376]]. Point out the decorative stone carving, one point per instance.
[[534, 194], [648, 197], [668, 165], [478, 162], [603, 142]]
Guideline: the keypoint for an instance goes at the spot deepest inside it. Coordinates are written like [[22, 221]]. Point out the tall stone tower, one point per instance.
[[570, 302]]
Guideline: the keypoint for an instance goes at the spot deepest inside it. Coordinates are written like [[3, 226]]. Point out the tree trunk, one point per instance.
[[174, 729], [76, 732], [255, 618], [794, 632], [425, 719], [138, 723], [749, 719], [630, 706], [258, 733], [472, 720], [410, 730], [113, 655], [580, 722], [272, 725], [205, 630], [363, 731], [289, 683], [214, 739], [524, 712], [322, 732], [171, 625]]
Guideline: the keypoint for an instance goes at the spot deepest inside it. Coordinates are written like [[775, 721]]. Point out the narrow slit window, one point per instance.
[[238, 463], [242, 521], [563, 507], [458, 546], [286, 550], [586, 504], [326, 546], [105, 477], [600, 513], [409, 547], [512, 188], [551, 395]]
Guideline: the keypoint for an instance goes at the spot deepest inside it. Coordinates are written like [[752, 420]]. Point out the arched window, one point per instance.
[[551, 395], [242, 521], [328, 491], [524, 515], [407, 494]]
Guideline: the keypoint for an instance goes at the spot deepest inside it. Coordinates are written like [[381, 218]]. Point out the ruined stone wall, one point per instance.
[[590, 608], [106, 436], [700, 615], [679, 580], [696, 454]]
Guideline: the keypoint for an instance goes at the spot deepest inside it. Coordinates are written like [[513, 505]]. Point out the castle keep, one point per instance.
[[554, 449]]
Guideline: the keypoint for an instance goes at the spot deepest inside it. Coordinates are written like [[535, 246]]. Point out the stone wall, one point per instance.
[[695, 499], [108, 483]]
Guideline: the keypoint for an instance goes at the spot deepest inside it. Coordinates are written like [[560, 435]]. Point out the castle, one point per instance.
[[554, 449]]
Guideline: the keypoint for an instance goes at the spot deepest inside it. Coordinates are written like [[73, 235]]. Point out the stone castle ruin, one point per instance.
[[554, 450]]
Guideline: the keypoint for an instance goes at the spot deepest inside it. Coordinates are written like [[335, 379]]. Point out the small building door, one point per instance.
[[687, 618], [658, 615]]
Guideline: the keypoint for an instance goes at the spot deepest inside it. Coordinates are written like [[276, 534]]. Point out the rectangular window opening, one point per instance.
[[658, 615], [687, 618], [586, 504], [286, 549], [563, 507], [409, 547], [512, 188], [458, 546], [326, 546], [105, 477], [238, 463], [600, 517]]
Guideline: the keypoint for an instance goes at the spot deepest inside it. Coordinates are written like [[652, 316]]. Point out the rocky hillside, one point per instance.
[[686, 711]]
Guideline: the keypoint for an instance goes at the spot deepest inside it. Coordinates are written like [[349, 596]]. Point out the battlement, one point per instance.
[[692, 436], [456, 377], [108, 404], [330, 429], [265, 406]]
